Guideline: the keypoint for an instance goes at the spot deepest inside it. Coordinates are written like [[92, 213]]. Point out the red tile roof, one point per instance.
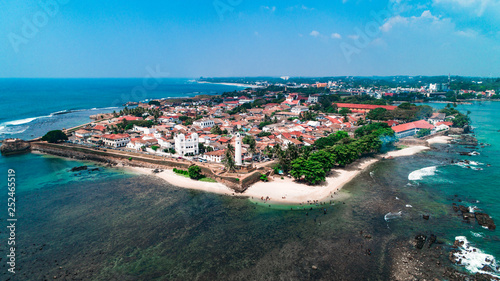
[[444, 123], [364, 106], [421, 124], [130, 118], [115, 136]]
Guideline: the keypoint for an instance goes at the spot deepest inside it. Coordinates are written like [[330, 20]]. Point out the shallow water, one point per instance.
[[113, 225]]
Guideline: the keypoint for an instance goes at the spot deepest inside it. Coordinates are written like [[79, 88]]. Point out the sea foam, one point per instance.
[[420, 174], [474, 259], [391, 215]]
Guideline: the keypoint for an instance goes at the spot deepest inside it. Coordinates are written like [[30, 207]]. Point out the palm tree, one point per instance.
[[229, 161]]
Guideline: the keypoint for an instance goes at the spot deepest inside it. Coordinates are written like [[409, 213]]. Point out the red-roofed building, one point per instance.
[[363, 108], [116, 140], [129, 118], [411, 129], [391, 123], [449, 124], [99, 128]]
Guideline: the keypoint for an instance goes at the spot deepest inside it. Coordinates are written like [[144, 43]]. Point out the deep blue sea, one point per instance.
[[111, 224], [31, 107]]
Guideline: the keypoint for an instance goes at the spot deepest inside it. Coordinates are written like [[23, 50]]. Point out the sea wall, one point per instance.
[[14, 146], [113, 158]]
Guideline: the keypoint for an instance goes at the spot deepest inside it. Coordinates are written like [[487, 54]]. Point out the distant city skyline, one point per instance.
[[235, 38]]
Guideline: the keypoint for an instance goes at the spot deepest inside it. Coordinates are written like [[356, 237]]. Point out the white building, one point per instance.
[[187, 145], [204, 123], [164, 143], [313, 98], [144, 130], [300, 109], [237, 150], [214, 156], [116, 140], [83, 133]]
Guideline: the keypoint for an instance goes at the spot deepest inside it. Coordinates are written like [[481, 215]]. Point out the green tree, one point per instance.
[[344, 111], [309, 171], [460, 120], [228, 160], [423, 132], [377, 114], [194, 172], [216, 130], [55, 136], [343, 154], [323, 157], [332, 139], [263, 177]]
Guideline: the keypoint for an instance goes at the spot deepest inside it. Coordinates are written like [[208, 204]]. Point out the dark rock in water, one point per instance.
[[463, 209], [14, 146], [420, 241], [455, 208], [452, 256], [425, 217], [468, 216], [79, 168], [485, 220], [487, 268], [94, 169], [458, 243], [484, 277], [432, 239]]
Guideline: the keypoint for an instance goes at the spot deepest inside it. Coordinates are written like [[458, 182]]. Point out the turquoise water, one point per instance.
[[35, 171], [31, 107], [112, 225]]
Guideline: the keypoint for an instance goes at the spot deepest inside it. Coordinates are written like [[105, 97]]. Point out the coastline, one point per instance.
[[230, 84], [287, 191]]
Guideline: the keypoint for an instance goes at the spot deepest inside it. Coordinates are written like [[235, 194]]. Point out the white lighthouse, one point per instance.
[[237, 150]]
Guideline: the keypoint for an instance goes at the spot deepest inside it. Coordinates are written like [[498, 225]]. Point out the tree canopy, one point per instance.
[[55, 136]]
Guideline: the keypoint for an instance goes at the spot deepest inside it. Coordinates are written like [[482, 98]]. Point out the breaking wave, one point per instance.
[[390, 215], [474, 259], [420, 174]]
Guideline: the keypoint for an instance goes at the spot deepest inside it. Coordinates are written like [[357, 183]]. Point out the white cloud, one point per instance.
[[271, 9], [391, 22], [336, 36], [300, 7], [314, 33], [425, 17], [467, 33], [353, 37]]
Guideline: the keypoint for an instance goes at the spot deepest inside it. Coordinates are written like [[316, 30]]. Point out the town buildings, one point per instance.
[[115, 140], [187, 145]]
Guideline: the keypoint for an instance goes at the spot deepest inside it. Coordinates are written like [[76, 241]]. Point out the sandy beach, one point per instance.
[[439, 139], [180, 181], [232, 84], [286, 190]]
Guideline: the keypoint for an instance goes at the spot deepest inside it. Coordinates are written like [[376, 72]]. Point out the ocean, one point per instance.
[[111, 224], [31, 107]]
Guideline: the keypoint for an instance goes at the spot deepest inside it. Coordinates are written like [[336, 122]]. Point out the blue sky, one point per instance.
[[66, 38]]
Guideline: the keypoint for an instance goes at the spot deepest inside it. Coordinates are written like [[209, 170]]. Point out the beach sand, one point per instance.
[[289, 191], [439, 139], [180, 181], [286, 190]]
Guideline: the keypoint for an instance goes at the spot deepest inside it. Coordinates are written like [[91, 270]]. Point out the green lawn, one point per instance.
[[208, 179]]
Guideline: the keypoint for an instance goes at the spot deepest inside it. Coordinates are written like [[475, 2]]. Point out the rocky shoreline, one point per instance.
[[14, 146]]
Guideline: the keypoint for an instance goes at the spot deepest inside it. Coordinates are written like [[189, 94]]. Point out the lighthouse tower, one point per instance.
[[237, 150]]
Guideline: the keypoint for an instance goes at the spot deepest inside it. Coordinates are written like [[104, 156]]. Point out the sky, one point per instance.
[[230, 38]]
